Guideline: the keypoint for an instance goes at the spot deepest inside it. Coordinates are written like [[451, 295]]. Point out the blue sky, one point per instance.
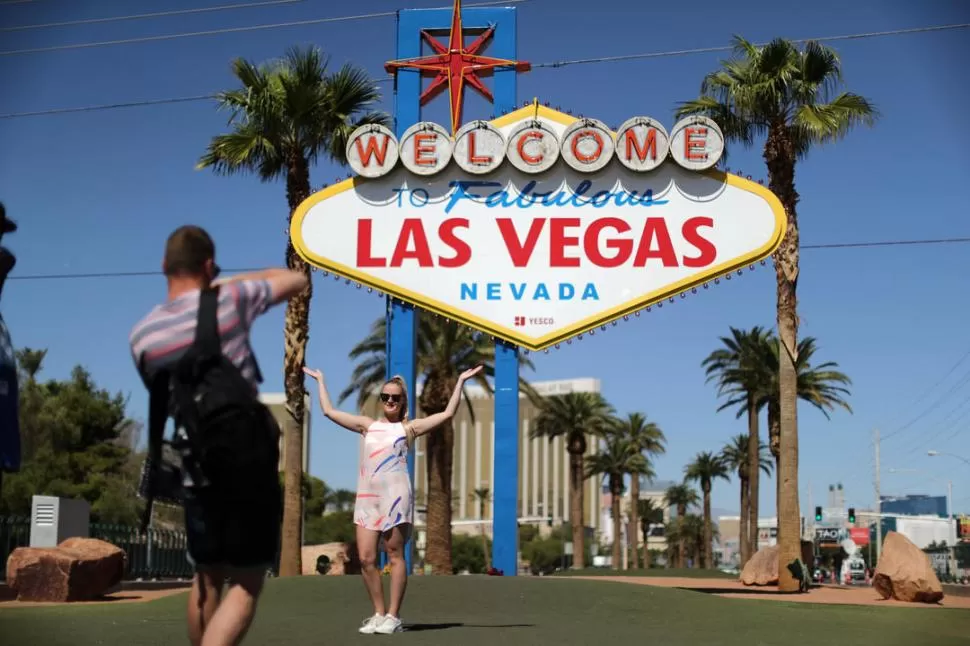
[[100, 191]]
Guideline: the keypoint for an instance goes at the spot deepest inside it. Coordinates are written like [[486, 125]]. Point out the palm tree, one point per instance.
[[742, 375], [444, 350], [705, 469], [822, 386], [617, 458], [343, 499], [645, 437], [735, 455], [482, 495], [786, 95], [284, 117], [576, 416], [681, 496], [687, 531], [649, 514]]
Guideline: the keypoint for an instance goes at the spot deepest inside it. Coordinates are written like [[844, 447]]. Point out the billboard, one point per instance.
[[538, 226], [859, 535]]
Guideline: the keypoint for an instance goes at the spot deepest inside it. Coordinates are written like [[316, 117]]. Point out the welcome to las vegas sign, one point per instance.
[[538, 226]]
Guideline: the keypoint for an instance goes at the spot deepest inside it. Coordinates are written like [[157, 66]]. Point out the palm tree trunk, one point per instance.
[[774, 443], [440, 447], [635, 521], [779, 155], [754, 453], [296, 331], [616, 491], [481, 514], [681, 543], [743, 526], [576, 508], [708, 551]]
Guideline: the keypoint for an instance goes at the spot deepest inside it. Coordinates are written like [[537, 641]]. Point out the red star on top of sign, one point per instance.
[[456, 65]]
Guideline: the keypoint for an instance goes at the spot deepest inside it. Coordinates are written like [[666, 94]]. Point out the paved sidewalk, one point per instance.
[[847, 595]]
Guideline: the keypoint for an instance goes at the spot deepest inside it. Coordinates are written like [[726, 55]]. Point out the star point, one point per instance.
[[454, 65]]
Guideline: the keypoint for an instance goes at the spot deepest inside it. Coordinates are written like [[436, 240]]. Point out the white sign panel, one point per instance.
[[536, 258]]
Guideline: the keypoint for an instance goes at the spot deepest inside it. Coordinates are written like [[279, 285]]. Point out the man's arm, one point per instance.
[[257, 291], [283, 283]]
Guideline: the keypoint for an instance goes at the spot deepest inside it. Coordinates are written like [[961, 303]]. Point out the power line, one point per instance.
[[887, 243], [226, 30], [555, 64], [963, 381], [130, 274], [726, 48], [109, 106], [156, 14]]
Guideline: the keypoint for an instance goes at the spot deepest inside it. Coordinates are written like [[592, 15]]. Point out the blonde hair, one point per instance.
[[398, 380]]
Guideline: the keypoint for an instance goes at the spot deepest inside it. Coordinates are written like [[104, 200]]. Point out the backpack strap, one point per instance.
[[207, 341], [206, 347]]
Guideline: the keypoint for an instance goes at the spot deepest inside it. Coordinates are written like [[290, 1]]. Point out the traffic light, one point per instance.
[[818, 514], [852, 515]]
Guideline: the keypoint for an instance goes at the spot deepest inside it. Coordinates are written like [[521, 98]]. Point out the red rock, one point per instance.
[[76, 570], [905, 573], [762, 568], [343, 558]]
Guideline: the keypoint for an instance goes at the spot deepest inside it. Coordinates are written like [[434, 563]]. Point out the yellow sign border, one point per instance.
[[581, 327]]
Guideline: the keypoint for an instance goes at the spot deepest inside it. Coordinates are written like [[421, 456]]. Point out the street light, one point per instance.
[[932, 453]]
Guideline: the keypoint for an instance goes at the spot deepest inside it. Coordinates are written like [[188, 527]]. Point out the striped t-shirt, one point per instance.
[[160, 339]]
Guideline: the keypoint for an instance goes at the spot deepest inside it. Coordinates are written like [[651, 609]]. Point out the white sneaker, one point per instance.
[[369, 626], [389, 625]]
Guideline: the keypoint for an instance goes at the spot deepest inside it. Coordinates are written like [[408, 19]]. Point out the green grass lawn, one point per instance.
[[474, 611]]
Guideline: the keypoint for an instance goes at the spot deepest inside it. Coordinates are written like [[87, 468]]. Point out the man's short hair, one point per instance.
[[187, 250]]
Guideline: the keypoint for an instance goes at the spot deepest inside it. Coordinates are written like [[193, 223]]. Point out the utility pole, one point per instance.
[[950, 525], [811, 526], [878, 501]]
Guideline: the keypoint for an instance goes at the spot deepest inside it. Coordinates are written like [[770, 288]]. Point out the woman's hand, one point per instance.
[[316, 374], [468, 374]]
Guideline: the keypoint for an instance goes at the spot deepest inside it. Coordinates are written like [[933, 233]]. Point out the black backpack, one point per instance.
[[231, 445]]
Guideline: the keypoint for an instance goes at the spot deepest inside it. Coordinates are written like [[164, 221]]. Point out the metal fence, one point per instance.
[[157, 553], [14, 533]]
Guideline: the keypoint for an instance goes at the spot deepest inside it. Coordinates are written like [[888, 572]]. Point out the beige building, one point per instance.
[[655, 491], [543, 465], [276, 402]]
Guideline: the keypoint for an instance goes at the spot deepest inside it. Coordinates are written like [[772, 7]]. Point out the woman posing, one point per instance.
[[384, 506]]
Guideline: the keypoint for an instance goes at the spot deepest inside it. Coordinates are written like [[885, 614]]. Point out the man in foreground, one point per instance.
[[197, 344]]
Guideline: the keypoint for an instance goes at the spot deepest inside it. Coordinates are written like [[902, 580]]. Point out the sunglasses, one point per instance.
[[388, 397]]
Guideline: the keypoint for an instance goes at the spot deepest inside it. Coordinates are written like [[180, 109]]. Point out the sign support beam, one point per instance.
[[402, 319], [505, 489]]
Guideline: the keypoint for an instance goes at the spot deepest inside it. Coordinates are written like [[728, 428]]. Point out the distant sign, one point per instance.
[[859, 535], [827, 534]]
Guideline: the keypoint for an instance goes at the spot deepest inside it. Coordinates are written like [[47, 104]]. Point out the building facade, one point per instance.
[[915, 505], [276, 402], [654, 491]]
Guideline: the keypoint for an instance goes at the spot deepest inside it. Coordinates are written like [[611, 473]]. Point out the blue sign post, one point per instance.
[[402, 318]]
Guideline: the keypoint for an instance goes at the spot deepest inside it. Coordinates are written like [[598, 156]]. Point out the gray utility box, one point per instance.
[[54, 519]]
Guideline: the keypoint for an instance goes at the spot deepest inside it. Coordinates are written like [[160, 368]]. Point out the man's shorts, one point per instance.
[[237, 533]]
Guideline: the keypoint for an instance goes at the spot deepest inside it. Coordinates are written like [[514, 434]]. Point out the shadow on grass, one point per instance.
[[413, 628], [752, 590]]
